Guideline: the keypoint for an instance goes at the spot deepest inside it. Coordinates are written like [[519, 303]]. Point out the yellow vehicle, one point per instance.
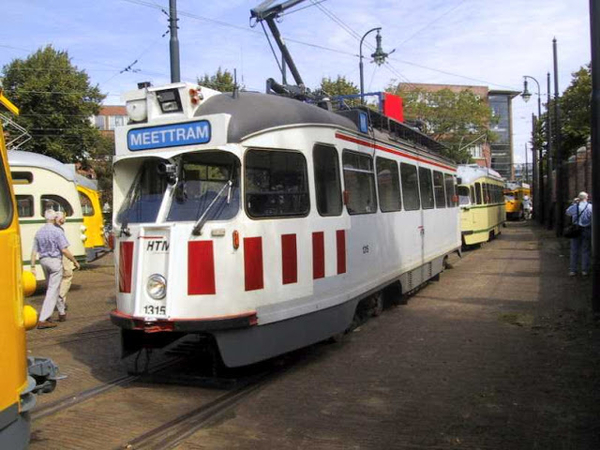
[[481, 203], [20, 377], [514, 194], [93, 221]]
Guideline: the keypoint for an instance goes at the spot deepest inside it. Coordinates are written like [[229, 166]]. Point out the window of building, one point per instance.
[[57, 203], [450, 182], [86, 204], [426, 187], [328, 188], [478, 194], [359, 181], [22, 177], [388, 183], [438, 188], [116, 121], [276, 184], [99, 121], [410, 187]]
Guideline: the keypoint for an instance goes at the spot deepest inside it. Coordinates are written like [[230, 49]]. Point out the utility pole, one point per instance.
[[549, 178], [560, 165], [174, 42], [595, 35], [535, 170], [526, 165]]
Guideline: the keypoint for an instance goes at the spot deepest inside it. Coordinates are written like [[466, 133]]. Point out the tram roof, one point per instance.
[[18, 158], [252, 112], [471, 172]]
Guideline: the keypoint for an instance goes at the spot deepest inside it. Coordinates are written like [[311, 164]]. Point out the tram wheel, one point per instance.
[[377, 304]]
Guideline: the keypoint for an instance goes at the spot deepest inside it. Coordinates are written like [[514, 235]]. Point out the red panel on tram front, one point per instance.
[[201, 268], [253, 263], [125, 266], [318, 245], [289, 259], [340, 237]]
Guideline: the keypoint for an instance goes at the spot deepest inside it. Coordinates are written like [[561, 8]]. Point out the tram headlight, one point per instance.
[[156, 286], [137, 110]]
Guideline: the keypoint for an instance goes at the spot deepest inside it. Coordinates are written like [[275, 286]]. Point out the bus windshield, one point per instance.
[[202, 177]]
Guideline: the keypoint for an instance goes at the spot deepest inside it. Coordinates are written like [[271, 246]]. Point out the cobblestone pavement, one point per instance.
[[501, 353]]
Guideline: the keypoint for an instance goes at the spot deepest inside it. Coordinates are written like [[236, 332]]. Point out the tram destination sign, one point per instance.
[[173, 135]]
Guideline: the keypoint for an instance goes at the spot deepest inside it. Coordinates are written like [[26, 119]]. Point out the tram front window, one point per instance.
[[145, 195], [203, 179], [464, 195]]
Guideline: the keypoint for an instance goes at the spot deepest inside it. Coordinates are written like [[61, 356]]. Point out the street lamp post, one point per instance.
[[538, 177], [379, 58]]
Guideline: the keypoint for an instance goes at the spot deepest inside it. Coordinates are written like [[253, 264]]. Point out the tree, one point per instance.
[[222, 81], [56, 102], [576, 113], [452, 118], [339, 86]]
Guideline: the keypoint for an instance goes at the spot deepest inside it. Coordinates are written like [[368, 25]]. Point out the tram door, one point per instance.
[[428, 219]]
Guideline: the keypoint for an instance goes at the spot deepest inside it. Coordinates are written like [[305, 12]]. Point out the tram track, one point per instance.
[[75, 337], [74, 399]]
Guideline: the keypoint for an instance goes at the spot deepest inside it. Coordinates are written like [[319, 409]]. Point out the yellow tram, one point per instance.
[[514, 193], [93, 221], [20, 377], [481, 203]]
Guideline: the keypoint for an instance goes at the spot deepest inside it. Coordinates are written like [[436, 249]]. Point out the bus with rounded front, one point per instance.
[[481, 203], [262, 221], [42, 183]]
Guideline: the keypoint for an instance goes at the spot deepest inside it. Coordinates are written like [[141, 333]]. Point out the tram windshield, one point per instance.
[[464, 195], [201, 187], [146, 194]]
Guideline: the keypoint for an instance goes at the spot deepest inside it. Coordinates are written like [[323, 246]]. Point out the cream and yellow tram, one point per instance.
[[263, 221], [93, 221], [481, 203], [40, 183]]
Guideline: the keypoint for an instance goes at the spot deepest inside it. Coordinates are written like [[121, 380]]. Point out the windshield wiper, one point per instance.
[[200, 223]]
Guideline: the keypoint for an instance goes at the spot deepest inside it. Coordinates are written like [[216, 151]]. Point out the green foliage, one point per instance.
[[452, 118], [100, 159], [339, 86], [56, 102], [575, 106], [222, 81]]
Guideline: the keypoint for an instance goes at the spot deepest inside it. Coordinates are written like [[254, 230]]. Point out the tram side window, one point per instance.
[[145, 195], [22, 177], [6, 205], [450, 182], [472, 192], [359, 181], [478, 194], [426, 187], [486, 193], [86, 204], [57, 203], [24, 205], [276, 184], [388, 183], [328, 189], [410, 187], [438, 188]]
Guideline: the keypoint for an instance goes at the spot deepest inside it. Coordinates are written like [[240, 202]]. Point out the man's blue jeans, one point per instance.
[[581, 247]]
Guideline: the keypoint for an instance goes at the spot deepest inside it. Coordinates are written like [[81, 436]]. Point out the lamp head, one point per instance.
[[379, 55], [526, 95]]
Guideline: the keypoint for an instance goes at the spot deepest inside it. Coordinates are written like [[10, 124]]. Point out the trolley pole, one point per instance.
[[174, 42], [549, 175], [595, 35], [560, 166]]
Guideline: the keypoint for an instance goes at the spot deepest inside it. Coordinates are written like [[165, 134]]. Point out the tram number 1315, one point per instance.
[[155, 310]]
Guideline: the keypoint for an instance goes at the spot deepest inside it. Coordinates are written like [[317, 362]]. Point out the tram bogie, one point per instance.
[[263, 221]]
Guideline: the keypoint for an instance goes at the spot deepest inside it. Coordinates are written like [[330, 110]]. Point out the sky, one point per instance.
[[472, 42]]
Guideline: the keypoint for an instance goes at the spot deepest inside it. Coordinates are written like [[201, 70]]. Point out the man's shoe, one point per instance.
[[44, 324], [62, 317], [572, 274], [584, 274]]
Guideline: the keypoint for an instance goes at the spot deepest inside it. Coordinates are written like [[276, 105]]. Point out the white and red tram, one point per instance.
[[263, 221]]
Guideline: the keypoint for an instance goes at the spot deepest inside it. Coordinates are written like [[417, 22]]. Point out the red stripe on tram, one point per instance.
[[340, 238], [318, 247], [253, 263], [125, 266], [289, 259], [201, 268]]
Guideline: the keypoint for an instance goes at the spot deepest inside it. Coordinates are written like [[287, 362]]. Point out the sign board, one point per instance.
[[172, 135]]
